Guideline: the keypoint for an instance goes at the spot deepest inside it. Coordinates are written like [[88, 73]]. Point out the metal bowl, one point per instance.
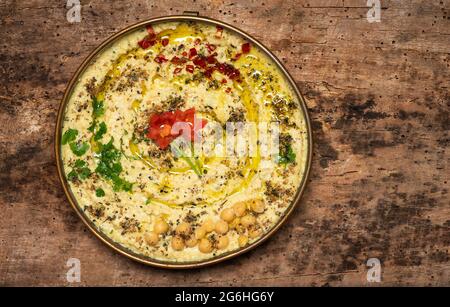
[[188, 16]]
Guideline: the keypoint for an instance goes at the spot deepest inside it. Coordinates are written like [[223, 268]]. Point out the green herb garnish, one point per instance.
[[79, 149], [79, 171], [100, 132], [99, 192], [69, 136], [98, 107], [109, 167], [286, 156]]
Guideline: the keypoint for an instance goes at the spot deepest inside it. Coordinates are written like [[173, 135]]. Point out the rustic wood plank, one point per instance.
[[378, 95]]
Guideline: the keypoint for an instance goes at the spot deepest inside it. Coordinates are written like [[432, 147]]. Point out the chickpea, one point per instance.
[[257, 206], [254, 233], [191, 242], [183, 228], [227, 215], [160, 227], [248, 220], [151, 238], [205, 246], [177, 243], [242, 240], [223, 242], [208, 225], [239, 208], [235, 223], [221, 227], [200, 233]]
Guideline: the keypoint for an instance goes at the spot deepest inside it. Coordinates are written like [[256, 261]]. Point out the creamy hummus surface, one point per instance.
[[176, 196]]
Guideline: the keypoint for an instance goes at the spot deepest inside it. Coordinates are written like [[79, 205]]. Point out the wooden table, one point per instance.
[[378, 96]]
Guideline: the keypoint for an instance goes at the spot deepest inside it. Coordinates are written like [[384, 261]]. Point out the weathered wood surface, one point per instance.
[[378, 95]]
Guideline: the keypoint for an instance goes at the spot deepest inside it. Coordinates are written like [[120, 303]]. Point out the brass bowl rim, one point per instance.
[[123, 250]]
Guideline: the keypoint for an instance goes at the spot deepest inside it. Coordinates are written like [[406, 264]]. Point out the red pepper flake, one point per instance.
[[160, 58], [190, 68], [150, 29], [211, 59], [192, 53], [197, 41], [177, 70], [184, 53], [160, 126], [199, 61], [165, 41], [178, 61], [246, 48], [219, 30], [211, 47], [224, 81], [146, 42], [228, 90], [236, 57]]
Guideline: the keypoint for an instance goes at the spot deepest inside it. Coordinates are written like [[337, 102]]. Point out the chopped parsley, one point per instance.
[[79, 171], [69, 136], [109, 167], [99, 192], [79, 149], [286, 157], [100, 132], [98, 108]]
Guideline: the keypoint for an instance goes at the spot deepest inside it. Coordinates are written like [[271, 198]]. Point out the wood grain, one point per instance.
[[378, 96]]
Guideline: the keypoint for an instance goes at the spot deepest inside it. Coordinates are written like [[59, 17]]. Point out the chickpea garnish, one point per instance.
[[151, 238], [221, 227], [200, 233], [257, 206], [227, 215], [160, 227], [235, 223], [223, 242], [208, 225], [177, 243], [248, 220], [239, 208], [205, 246], [183, 229], [191, 242], [242, 240]]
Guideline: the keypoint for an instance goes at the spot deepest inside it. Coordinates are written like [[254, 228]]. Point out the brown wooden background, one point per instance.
[[378, 95]]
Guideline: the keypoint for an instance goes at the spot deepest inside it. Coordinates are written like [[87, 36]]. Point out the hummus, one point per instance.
[[166, 194]]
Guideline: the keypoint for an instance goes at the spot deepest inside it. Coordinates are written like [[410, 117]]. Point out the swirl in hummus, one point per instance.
[[144, 183]]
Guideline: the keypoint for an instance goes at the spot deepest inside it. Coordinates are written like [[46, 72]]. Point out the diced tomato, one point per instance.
[[165, 42], [192, 53], [178, 61], [190, 68], [246, 48], [211, 59], [160, 126]]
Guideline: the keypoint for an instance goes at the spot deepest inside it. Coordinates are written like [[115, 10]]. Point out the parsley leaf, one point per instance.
[[99, 192], [98, 107], [100, 132], [79, 149], [287, 156], [79, 171], [69, 136], [109, 167]]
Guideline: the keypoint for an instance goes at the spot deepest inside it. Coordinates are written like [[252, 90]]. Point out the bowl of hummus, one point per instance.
[[182, 141]]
